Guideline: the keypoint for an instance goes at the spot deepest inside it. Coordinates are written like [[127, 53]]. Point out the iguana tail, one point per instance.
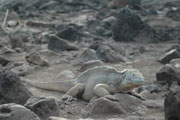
[[60, 86]]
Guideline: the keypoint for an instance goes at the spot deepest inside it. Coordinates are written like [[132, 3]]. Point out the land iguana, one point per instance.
[[99, 81]]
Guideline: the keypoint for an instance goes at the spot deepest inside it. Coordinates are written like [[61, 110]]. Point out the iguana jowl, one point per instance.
[[98, 81]]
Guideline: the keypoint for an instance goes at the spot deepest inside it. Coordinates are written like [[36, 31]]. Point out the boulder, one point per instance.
[[57, 44], [16, 40], [7, 50], [172, 105], [175, 62], [21, 70], [167, 57], [135, 4], [108, 22], [3, 61], [168, 74], [127, 26], [177, 47], [12, 90], [16, 112], [36, 59], [105, 106], [174, 14], [95, 45], [155, 104], [130, 27], [70, 33], [90, 64], [106, 54], [29, 47], [126, 104], [86, 55], [43, 107]]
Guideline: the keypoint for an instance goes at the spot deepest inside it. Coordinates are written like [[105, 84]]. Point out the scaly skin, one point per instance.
[[99, 81]]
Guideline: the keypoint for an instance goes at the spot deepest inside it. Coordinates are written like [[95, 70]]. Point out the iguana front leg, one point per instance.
[[73, 92], [103, 90]]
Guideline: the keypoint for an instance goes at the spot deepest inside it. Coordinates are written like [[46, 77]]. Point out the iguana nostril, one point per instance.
[[5, 110]]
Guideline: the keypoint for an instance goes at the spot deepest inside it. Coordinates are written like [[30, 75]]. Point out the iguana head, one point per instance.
[[131, 78]]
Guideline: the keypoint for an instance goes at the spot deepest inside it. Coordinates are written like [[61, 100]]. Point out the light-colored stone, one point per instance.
[[16, 112], [11, 89], [36, 59], [43, 107]]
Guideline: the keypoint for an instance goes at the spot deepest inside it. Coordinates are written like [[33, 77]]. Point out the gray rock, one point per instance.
[[21, 70], [57, 44], [168, 74], [105, 106], [90, 64], [43, 107], [126, 104], [173, 54], [3, 61], [29, 47], [175, 62], [86, 55], [171, 105], [36, 59], [100, 31], [16, 112], [40, 24], [177, 47], [130, 27], [127, 26], [135, 4], [108, 22], [70, 33], [95, 45], [16, 40], [174, 14], [155, 104], [106, 54], [12, 90], [7, 50]]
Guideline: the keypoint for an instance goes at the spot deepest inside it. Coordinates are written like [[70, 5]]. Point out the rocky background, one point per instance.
[[54, 40]]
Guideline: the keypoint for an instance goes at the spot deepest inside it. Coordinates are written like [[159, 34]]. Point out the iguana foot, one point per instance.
[[111, 97], [137, 96], [68, 98], [141, 98]]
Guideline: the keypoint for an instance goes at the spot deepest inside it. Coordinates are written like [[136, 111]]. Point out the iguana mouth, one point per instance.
[[130, 87]]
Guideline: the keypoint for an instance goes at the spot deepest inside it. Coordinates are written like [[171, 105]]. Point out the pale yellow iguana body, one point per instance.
[[98, 81]]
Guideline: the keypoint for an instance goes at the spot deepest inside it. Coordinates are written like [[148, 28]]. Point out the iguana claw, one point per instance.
[[68, 98]]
